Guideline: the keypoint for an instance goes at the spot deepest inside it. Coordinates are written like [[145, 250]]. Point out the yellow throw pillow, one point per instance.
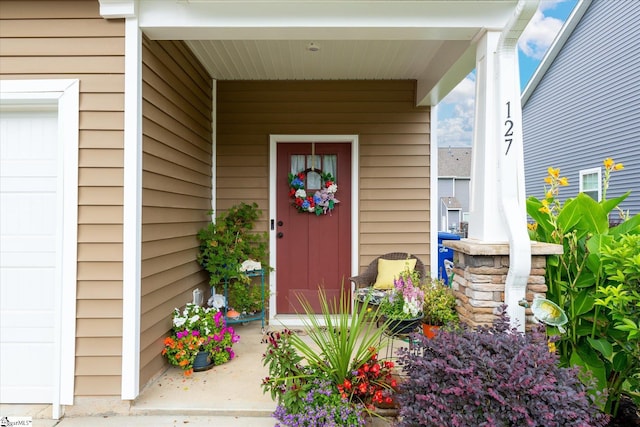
[[388, 270]]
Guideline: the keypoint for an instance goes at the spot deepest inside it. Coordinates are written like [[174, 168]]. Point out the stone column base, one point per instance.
[[479, 275]]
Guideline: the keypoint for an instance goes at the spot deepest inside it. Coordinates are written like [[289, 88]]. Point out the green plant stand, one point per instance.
[[245, 318]]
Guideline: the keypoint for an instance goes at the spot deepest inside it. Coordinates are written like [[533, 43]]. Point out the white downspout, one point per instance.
[[511, 188]]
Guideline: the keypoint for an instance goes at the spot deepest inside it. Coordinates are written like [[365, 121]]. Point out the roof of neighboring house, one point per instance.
[[451, 203], [562, 37], [454, 162]]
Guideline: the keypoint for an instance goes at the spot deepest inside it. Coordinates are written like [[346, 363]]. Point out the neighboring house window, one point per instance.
[[590, 180]]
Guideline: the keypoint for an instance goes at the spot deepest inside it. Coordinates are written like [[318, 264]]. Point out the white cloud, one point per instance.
[[540, 32], [456, 112]]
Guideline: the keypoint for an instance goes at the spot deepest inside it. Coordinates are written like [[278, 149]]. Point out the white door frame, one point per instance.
[[274, 140], [64, 96]]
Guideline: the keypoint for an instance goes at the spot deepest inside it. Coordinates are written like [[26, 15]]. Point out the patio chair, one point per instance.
[[369, 276]]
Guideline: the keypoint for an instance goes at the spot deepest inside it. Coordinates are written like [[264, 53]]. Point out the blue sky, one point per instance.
[[455, 112]]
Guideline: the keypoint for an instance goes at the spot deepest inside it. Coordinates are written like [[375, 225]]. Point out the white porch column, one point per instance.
[[498, 199], [485, 223]]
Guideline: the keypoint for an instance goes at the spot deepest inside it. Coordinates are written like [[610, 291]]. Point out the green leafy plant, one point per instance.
[[245, 297], [621, 298], [343, 341], [229, 241], [439, 307], [343, 346], [576, 279]]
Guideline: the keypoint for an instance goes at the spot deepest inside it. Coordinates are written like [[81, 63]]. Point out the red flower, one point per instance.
[[301, 175], [292, 192], [328, 184]]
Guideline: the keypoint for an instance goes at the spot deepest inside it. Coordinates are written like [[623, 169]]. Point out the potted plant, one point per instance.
[[438, 307], [199, 333], [225, 244], [246, 298], [335, 379], [402, 307]]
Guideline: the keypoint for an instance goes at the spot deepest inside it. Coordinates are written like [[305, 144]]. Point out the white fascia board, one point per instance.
[[241, 19], [110, 9]]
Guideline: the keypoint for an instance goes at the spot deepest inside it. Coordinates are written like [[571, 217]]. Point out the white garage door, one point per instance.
[[28, 254]]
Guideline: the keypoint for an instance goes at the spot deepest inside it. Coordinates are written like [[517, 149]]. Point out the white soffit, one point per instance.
[[431, 41]]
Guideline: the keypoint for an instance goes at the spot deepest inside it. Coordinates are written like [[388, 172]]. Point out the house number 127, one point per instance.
[[508, 135]]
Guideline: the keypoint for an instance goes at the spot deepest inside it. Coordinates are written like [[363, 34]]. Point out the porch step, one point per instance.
[[207, 412]]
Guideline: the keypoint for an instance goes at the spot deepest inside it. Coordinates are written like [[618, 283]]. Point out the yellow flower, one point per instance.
[[618, 167], [544, 209], [552, 347], [553, 172], [533, 227], [549, 195], [563, 181], [548, 180], [608, 163]]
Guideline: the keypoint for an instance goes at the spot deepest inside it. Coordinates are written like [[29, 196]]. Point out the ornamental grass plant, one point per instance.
[[338, 370]]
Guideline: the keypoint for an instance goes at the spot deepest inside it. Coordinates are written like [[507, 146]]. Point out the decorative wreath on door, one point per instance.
[[323, 201]]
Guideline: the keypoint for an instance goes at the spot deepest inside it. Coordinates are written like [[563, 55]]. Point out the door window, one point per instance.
[[315, 165]]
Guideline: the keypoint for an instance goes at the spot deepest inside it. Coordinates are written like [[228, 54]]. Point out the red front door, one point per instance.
[[312, 250]]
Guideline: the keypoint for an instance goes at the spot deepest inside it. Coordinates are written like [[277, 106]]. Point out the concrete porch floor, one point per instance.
[[226, 395], [232, 389]]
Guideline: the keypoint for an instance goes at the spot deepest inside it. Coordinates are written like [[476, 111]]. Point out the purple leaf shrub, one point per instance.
[[491, 376]]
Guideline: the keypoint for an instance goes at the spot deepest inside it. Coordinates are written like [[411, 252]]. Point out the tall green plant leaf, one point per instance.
[[342, 340], [545, 228], [583, 303], [585, 214], [630, 226], [601, 345], [594, 246], [609, 205]]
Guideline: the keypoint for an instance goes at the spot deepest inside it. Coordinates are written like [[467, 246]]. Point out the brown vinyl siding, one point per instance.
[[70, 40], [176, 181], [394, 150]]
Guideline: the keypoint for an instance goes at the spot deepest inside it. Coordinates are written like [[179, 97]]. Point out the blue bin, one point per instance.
[[444, 253]]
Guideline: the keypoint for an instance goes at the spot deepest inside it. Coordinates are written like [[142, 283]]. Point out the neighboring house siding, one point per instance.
[[586, 107], [394, 150], [176, 181], [69, 40]]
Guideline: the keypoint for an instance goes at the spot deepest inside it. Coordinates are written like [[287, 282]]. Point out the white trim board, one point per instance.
[[274, 140], [132, 211], [64, 96]]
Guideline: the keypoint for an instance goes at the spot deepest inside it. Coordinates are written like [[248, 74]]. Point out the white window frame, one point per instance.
[[584, 172]]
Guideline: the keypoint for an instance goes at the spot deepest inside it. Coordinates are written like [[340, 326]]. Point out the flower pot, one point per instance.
[[203, 361], [233, 315], [403, 326], [429, 331]]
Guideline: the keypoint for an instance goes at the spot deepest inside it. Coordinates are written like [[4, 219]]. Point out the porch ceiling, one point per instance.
[[431, 41]]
